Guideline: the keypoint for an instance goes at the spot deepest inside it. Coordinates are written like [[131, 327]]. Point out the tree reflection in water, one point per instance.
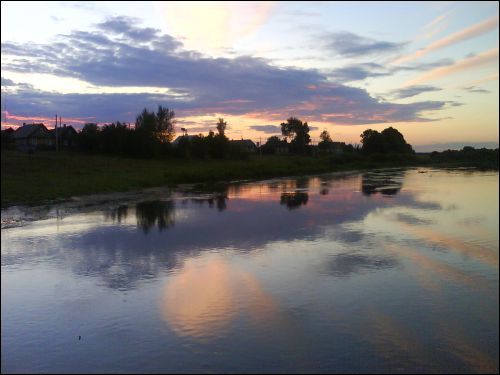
[[151, 213], [219, 200], [386, 183], [117, 215], [294, 200]]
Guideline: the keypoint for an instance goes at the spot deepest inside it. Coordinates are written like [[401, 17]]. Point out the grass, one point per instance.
[[46, 176]]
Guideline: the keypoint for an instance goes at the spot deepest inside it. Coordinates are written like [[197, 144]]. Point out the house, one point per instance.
[[181, 137], [332, 147], [67, 137], [7, 138], [32, 137], [245, 145]]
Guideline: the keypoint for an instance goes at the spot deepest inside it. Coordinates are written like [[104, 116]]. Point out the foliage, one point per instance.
[[326, 141], [273, 145], [389, 141], [221, 127], [298, 132]]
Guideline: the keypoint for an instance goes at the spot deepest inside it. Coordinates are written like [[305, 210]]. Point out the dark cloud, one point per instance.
[[7, 82], [268, 129], [454, 104], [361, 71], [413, 90], [347, 44], [358, 72], [199, 85], [477, 90], [125, 26]]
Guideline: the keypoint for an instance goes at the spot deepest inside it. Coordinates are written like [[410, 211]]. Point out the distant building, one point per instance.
[[245, 145], [7, 138], [282, 148], [331, 147], [32, 137], [337, 147], [181, 137], [67, 136]]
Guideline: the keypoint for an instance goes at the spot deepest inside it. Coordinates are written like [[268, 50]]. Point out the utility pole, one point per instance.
[[57, 143], [59, 129]]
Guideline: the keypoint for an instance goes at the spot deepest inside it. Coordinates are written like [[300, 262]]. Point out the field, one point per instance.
[[46, 176]]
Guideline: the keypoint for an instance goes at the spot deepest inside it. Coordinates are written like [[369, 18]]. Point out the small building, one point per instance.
[[33, 137], [7, 139], [337, 147], [331, 147], [67, 137], [182, 137], [245, 145], [282, 148]]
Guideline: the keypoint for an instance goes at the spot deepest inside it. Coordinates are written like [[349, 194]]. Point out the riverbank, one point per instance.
[[47, 176]]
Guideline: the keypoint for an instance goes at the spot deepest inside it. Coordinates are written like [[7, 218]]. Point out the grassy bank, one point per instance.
[[44, 176]]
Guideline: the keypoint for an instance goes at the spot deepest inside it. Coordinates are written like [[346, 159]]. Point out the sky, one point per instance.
[[428, 69]]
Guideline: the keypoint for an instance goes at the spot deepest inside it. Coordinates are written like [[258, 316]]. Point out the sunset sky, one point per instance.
[[429, 69]]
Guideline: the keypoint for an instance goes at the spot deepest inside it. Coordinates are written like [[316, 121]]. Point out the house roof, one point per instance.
[[189, 137], [26, 131], [65, 131], [244, 142]]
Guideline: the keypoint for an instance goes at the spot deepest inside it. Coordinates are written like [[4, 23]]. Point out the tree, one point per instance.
[[165, 124], [326, 140], [395, 142], [273, 144], [153, 131], [88, 138], [372, 141], [146, 122], [325, 136], [298, 132], [159, 125], [389, 141], [221, 127]]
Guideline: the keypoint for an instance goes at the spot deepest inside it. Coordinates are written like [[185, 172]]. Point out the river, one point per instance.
[[391, 270]]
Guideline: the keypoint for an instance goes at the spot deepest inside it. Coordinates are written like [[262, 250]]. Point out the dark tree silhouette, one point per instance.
[[159, 125], [88, 138], [389, 141], [294, 200], [273, 144], [298, 132], [165, 124], [221, 127], [326, 140]]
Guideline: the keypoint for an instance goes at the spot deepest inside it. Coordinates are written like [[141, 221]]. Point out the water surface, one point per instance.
[[385, 271]]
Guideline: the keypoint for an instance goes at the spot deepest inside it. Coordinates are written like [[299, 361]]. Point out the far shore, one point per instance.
[[50, 177]]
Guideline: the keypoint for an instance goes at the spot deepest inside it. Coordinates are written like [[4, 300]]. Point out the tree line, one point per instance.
[[154, 132]]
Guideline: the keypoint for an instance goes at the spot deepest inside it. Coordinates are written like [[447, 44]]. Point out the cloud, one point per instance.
[[359, 72], [413, 90], [124, 26], [7, 82], [468, 33], [475, 89], [243, 85], [351, 45], [437, 25], [483, 58], [268, 129]]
